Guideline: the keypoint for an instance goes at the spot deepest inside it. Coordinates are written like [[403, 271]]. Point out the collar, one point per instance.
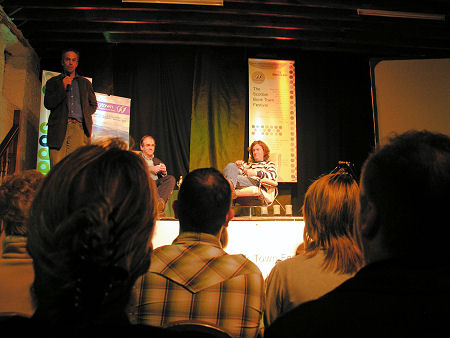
[[187, 237], [148, 159]]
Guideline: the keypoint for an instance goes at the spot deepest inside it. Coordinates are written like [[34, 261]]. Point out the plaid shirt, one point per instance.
[[195, 279]]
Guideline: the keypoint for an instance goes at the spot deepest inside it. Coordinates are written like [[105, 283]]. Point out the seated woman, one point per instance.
[[330, 255], [16, 268], [89, 234], [241, 174]]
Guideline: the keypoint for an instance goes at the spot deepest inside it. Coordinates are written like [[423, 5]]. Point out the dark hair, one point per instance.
[[63, 53], [265, 148], [16, 194], [329, 210], [408, 181], [89, 232], [144, 137], [203, 201]]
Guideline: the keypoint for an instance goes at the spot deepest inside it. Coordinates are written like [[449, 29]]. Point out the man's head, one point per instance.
[[259, 151], [148, 146], [90, 226], [204, 202], [404, 197], [69, 60]]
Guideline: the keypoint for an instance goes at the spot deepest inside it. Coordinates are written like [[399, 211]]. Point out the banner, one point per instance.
[[112, 117], [272, 112], [43, 157]]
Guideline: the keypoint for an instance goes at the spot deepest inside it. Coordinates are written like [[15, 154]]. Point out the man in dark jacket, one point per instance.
[[71, 101], [403, 291]]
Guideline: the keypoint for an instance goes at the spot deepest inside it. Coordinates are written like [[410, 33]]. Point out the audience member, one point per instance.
[[330, 254], [16, 269], [403, 234], [157, 169], [241, 174], [89, 234], [194, 278]]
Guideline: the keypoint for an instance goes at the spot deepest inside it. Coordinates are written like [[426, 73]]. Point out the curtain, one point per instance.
[[218, 109]]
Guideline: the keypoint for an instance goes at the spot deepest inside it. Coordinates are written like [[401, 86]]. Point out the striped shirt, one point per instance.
[[195, 279], [266, 169]]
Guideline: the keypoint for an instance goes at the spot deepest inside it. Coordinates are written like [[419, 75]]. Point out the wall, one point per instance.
[[19, 89]]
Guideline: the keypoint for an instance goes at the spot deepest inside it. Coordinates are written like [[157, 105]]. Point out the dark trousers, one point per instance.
[[165, 186]]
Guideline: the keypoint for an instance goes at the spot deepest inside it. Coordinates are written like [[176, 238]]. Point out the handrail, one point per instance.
[[9, 138], [8, 148]]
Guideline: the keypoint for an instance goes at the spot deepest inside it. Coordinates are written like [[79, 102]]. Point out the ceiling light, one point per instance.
[[403, 15], [180, 2]]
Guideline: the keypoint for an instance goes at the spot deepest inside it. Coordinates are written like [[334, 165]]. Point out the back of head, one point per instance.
[[89, 231], [203, 201], [329, 210], [16, 194], [408, 181]]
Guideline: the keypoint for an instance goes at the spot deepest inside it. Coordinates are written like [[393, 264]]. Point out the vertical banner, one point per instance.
[[43, 157], [272, 112], [112, 117]]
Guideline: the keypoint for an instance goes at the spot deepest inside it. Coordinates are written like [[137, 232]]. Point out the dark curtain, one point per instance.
[[159, 83], [218, 108], [170, 85]]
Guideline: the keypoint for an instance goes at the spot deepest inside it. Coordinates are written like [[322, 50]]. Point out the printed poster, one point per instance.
[[272, 112]]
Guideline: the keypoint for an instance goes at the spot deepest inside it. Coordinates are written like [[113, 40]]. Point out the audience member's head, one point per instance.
[[264, 147], [16, 194], [204, 202], [90, 228], [405, 190], [329, 210]]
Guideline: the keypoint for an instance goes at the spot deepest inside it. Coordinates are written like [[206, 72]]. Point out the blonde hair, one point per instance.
[[329, 211]]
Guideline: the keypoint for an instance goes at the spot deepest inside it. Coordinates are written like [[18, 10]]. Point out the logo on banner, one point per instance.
[[258, 77]]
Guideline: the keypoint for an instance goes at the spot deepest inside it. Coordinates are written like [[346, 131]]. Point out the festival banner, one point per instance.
[[272, 112], [43, 157], [112, 118]]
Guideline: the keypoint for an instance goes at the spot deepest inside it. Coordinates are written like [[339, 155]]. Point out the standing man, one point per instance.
[[194, 278], [71, 101], [158, 172]]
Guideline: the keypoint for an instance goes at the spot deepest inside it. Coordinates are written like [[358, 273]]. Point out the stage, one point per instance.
[[263, 240]]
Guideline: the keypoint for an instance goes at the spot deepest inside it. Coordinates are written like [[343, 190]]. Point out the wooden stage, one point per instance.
[[263, 240]]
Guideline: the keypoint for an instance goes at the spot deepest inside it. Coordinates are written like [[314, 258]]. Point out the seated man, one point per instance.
[[403, 234], [194, 278], [157, 169], [241, 174]]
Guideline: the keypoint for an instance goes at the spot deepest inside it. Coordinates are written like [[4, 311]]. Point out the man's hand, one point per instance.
[[158, 168], [250, 172], [67, 81], [239, 163]]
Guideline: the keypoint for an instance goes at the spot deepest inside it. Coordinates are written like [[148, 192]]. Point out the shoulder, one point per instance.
[[55, 79]]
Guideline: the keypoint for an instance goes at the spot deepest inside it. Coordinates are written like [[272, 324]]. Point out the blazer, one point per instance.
[[56, 101]]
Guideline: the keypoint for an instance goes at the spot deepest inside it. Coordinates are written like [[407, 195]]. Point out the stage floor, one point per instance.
[[263, 240]]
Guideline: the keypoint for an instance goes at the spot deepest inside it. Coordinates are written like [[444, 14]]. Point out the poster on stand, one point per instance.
[[272, 112], [112, 118]]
